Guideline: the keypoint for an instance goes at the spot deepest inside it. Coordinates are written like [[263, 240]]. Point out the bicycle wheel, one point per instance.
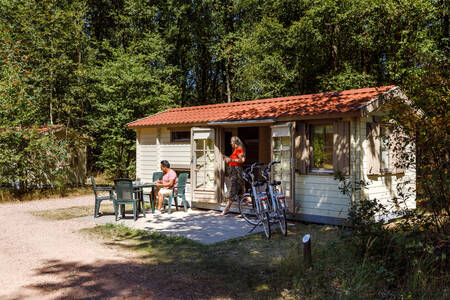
[[266, 224], [282, 221], [248, 211]]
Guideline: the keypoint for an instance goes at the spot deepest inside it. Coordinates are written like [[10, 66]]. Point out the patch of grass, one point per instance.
[[8, 195], [72, 212], [247, 267], [102, 179], [253, 267], [339, 272]]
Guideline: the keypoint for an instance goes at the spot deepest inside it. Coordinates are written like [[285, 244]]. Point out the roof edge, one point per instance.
[[130, 124], [378, 101]]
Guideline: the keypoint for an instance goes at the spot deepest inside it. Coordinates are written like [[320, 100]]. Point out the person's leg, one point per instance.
[[227, 208], [160, 200], [233, 191]]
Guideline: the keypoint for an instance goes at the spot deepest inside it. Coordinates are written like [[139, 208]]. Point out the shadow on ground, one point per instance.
[[124, 281], [171, 268]]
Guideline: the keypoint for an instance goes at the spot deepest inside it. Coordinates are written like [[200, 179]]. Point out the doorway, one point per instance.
[[256, 142], [250, 137]]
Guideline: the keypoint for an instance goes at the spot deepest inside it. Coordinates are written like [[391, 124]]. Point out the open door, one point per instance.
[[203, 165], [282, 150]]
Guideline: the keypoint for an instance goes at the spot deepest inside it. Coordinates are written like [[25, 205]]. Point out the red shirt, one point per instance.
[[235, 155]]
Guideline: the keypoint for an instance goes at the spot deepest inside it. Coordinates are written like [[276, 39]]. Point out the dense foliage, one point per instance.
[[97, 65]]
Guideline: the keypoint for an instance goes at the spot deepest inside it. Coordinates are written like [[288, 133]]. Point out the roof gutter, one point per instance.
[[243, 122]]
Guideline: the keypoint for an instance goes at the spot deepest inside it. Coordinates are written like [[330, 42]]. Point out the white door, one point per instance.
[[282, 150], [202, 167]]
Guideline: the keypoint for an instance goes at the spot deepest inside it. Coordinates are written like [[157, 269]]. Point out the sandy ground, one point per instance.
[[42, 259]]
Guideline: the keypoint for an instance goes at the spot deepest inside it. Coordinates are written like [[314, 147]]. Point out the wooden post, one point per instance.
[[307, 259]]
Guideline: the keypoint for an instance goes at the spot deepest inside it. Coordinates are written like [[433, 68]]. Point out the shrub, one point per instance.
[[31, 159]]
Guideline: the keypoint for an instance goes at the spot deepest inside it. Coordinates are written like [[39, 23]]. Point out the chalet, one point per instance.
[[313, 136]]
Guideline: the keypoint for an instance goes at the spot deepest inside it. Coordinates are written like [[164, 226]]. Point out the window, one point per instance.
[[282, 153], [180, 136], [322, 143], [204, 164], [385, 164]]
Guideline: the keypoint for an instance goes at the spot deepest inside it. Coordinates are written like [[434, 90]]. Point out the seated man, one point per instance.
[[166, 185]]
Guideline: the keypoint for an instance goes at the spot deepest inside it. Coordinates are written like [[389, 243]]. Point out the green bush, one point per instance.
[[33, 159], [404, 259]]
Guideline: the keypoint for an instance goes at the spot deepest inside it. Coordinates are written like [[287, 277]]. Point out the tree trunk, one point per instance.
[[228, 79]]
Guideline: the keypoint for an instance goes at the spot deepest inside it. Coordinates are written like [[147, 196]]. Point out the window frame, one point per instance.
[[205, 172]]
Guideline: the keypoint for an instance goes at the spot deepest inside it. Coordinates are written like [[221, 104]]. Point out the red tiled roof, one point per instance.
[[303, 105]]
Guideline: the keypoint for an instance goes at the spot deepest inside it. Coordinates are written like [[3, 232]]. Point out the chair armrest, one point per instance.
[[103, 188]]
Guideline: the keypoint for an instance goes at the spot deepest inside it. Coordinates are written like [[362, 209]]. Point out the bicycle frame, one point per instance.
[[259, 213], [260, 197], [278, 200], [265, 210]]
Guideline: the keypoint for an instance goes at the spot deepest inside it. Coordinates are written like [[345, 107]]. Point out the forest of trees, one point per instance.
[[95, 65]]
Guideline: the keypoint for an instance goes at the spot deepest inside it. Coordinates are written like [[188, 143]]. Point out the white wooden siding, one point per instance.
[[147, 157], [154, 145], [385, 188], [319, 195], [176, 153]]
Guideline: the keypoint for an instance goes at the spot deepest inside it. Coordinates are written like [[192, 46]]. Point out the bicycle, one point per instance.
[[277, 201], [256, 210]]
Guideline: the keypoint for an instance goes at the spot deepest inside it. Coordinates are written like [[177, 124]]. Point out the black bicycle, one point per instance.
[[254, 206]]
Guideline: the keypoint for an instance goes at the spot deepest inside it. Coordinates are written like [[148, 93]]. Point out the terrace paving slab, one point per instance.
[[203, 226]]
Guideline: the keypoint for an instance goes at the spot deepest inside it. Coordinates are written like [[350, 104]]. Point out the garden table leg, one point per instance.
[[141, 200]]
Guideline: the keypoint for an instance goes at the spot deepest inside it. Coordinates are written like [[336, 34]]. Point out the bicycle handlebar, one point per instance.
[[273, 163], [249, 170], [266, 171], [255, 165]]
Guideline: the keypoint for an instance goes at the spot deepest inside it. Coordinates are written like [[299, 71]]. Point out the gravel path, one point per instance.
[[42, 259]]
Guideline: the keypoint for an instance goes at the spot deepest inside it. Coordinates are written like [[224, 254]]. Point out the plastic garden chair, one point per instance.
[[98, 198], [124, 195], [181, 189], [151, 196]]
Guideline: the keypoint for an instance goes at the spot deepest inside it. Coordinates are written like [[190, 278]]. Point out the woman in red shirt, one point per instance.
[[235, 162]]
